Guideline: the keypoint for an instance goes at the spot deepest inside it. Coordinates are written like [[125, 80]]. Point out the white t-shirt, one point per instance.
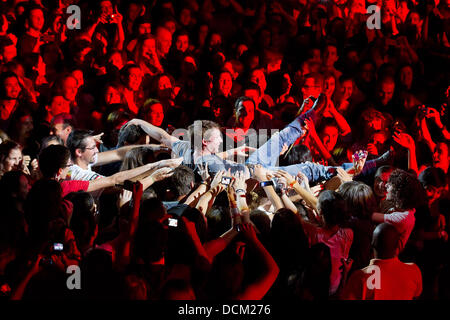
[[78, 173], [404, 223]]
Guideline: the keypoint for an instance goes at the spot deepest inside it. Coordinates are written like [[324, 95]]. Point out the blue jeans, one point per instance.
[[267, 155]]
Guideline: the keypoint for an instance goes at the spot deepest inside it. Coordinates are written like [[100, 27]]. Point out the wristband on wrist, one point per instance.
[[266, 183], [235, 212]]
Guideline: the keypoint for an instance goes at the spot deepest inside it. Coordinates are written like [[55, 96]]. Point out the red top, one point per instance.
[[69, 186]]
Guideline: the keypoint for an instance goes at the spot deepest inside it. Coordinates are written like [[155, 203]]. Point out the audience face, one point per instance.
[[78, 75], [36, 19], [414, 18], [9, 53], [330, 56], [225, 83], [185, 17], [12, 88], [311, 88], [13, 160], [134, 10], [145, 28], [441, 156], [116, 60], [163, 41], [70, 89], [149, 48], [156, 114], [346, 89], [24, 187], [329, 86], [245, 114], [259, 78], [329, 137], [61, 132], [171, 26], [90, 152], [182, 43], [406, 76], [106, 7], [25, 126], [112, 95], [367, 72], [379, 186], [254, 95], [215, 41], [134, 79], [386, 92], [164, 88]]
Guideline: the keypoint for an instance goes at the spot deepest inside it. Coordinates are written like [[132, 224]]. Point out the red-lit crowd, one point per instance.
[[357, 206]]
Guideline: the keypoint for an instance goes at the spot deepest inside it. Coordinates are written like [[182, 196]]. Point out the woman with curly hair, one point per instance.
[[405, 192]]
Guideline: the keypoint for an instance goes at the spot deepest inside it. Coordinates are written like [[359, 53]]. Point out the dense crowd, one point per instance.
[[224, 149]]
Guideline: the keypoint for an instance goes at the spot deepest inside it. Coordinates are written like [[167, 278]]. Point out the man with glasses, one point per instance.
[[85, 154]]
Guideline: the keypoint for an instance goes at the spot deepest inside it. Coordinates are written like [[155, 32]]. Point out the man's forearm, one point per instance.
[[121, 176], [308, 197], [115, 155], [155, 132]]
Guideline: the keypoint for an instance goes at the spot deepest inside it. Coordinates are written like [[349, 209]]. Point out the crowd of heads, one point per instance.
[[238, 66]]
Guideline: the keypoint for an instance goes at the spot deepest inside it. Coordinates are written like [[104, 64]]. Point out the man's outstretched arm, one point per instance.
[[115, 155], [154, 132]]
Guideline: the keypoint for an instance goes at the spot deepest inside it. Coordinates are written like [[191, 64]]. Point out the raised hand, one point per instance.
[[239, 181], [260, 173], [404, 139], [161, 174], [217, 180], [203, 172], [343, 175], [116, 17], [434, 114], [170, 163], [372, 149], [283, 174], [303, 180], [243, 151], [98, 138], [248, 232]]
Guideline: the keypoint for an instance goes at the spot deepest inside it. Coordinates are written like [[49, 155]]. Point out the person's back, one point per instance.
[[397, 281], [386, 277]]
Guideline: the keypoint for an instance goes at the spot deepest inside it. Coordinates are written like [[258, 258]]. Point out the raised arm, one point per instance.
[[257, 289], [426, 134], [115, 155], [121, 176], [310, 199], [406, 141], [317, 142], [154, 132], [261, 176]]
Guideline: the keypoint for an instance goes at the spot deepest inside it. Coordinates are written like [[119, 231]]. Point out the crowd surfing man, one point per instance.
[[207, 139], [173, 146]]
